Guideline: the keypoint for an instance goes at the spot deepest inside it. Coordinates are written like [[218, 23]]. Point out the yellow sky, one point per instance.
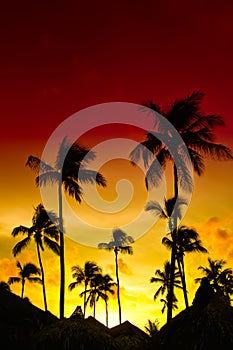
[[210, 212]]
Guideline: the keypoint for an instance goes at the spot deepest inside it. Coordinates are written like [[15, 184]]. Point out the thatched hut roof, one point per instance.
[[19, 320], [202, 327], [127, 337]]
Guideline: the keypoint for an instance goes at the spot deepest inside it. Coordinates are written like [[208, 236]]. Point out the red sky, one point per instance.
[[58, 57]]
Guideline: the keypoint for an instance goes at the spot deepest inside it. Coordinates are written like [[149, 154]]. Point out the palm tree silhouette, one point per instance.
[[221, 280], [119, 244], [44, 232], [67, 174], [152, 327], [187, 242], [84, 276], [95, 291], [163, 277], [25, 274], [197, 132], [106, 286], [4, 286]]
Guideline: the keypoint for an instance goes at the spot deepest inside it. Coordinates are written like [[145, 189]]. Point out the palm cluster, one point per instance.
[[96, 285], [71, 170], [197, 132]]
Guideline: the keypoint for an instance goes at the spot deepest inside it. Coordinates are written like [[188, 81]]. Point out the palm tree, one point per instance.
[[163, 277], [106, 286], [84, 276], [197, 132], [119, 244], [187, 242], [165, 303], [67, 174], [4, 286], [44, 232], [152, 327], [95, 291], [25, 274], [221, 280]]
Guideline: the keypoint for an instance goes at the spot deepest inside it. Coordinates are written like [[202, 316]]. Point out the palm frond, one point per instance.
[[20, 230], [52, 245], [34, 280], [21, 245], [52, 232], [36, 164], [91, 176], [12, 280], [154, 174], [50, 177], [156, 208], [72, 285], [73, 189]]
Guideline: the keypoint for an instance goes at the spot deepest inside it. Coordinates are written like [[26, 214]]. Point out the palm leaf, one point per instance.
[[52, 245], [34, 280], [36, 164], [50, 177], [12, 280], [91, 176], [21, 245], [20, 230], [73, 189]]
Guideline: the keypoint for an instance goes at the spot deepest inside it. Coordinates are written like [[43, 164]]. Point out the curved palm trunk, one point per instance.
[[106, 307], [42, 276], [23, 284], [62, 259], [183, 281], [118, 284], [173, 253]]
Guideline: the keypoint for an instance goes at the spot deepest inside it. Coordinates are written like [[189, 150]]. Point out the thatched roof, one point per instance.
[[74, 334], [127, 337], [202, 327], [19, 320]]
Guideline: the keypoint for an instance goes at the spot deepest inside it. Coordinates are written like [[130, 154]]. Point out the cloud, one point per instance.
[[123, 268]]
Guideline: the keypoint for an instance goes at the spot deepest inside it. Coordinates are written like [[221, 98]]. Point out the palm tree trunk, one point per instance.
[[182, 276], [94, 308], [118, 285], [106, 307], [173, 253], [184, 282], [42, 276], [85, 300], [62, 259], [23, 283]]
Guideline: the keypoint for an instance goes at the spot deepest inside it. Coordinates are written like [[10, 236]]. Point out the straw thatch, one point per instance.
[[200, 327]]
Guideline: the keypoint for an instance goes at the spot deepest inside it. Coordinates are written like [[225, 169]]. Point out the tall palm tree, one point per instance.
[[221, 279], [68, 174], [106, 286], [95, 292], [4, 286], [84, 276], [120, 243], [163, 278], [197, 132], [44, 232], [27, 272], [187, 242]]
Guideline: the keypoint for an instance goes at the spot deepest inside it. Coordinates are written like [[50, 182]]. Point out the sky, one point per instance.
[[58, 58]]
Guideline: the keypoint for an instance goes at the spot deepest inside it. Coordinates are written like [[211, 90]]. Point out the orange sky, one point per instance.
[[87, 55]]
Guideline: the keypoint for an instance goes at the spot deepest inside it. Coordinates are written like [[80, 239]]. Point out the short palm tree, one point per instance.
[[95, 292], [197, 132], [4, 286], [106, 286], [152, 327], [187, 242], [120, 243], [84, 276], [44, 232], [163, 278], [68, 174], [221, 279], [27, 272]]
